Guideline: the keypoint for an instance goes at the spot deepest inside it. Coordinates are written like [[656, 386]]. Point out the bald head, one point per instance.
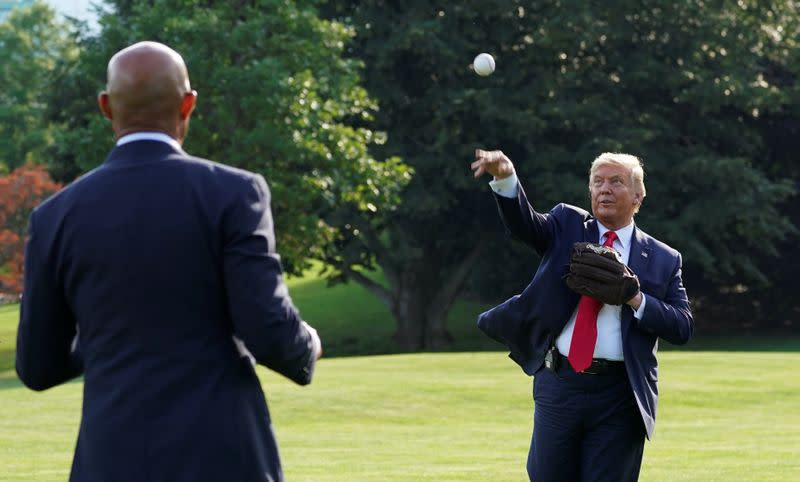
[[148, 90]]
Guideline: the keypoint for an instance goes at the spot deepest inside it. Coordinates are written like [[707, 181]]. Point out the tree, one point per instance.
[[771, 306], [32, 41], [685, 85], [275, 96], [20, 192]]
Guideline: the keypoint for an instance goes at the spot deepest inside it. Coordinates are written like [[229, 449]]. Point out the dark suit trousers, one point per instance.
[[585, 428]]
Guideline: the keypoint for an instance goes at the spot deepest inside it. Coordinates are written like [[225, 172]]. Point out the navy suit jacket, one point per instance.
[[528, 323], [155, 260]]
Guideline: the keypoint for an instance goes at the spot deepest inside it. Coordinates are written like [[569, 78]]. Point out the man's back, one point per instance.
[[162, 258]]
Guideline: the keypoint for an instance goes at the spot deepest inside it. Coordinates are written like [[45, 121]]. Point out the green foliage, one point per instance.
[[32, 41], [705, 92], [692, 87], [275, 97]]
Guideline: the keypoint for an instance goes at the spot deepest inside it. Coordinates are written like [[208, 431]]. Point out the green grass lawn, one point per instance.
[[464, 416], [351, 321], [9, 316], [729, 413]]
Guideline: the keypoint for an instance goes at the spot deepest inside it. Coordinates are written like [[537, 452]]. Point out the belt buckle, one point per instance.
[[598, 367]]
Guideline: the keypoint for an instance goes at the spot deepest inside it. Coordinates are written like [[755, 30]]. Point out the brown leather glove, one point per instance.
[[598, 271]]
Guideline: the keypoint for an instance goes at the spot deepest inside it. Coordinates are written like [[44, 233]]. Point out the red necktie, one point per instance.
[[584, 335]]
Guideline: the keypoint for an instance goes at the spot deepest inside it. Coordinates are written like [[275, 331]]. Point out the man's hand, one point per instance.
[[598, 271], [494, 162], [636, 301]]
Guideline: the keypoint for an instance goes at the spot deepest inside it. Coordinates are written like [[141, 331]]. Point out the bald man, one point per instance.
[[155, 275]]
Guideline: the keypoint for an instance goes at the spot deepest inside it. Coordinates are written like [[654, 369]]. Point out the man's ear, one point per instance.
[[105, 105], [188, 103]]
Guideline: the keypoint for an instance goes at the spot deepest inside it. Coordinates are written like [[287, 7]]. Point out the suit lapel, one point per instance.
[[640, 252], [638, 261], [591, 233]]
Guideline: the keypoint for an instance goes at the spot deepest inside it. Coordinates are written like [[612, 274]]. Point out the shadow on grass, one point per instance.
[[6, 360], [743, 343], [366, 346], [10, 381], [8, 376]]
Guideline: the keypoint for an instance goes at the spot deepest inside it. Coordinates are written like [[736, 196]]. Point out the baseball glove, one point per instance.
[[598, 271]]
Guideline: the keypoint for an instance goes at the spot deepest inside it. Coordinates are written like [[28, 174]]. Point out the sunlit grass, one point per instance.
[[464, 416], [728, 413]]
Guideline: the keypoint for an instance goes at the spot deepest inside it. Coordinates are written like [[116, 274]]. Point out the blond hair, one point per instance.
[[631, 163]]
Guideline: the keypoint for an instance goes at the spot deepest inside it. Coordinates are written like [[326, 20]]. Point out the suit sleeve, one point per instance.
[[671, 318], [44, 355], [525, 223], [263, 314]]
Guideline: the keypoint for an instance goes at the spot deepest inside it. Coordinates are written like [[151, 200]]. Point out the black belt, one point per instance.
[[599, 366]]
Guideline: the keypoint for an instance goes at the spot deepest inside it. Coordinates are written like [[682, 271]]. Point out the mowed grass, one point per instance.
[[9, 316], [464, 417], [351, 321], [723, 414]]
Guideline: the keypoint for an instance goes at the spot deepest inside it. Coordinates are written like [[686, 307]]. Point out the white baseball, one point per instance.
[[483, 64]]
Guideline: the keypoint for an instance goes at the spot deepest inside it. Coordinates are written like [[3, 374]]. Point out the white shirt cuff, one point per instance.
[[315, 341], [316, 344], [505, 187], [638, 314]]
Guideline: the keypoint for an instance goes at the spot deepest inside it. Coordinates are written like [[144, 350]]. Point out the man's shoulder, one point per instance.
[[56, 199], [218, 169], [207, 172], [655, 243], [569, 211]]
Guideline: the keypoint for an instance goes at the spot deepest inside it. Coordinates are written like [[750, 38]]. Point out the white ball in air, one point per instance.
[[483, 64]]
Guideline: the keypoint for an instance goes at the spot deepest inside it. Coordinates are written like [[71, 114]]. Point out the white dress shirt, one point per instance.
[[148, 136], [609, 320]]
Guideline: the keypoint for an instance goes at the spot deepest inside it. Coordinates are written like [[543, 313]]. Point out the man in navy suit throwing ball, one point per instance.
[[594, 363]]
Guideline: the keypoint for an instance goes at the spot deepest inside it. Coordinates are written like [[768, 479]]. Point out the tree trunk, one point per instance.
[[408, 308], [436, 334], [420, 333], [419, 295], [415, 331], [421, 312]]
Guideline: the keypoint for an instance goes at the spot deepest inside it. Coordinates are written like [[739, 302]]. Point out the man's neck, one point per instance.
[[121, 132]]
